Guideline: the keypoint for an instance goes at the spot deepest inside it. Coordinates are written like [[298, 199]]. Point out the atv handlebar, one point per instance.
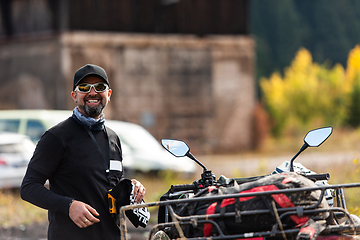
[[186, 187], [182, 187], [317, 177]]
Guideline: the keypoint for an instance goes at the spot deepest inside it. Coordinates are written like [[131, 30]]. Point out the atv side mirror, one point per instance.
[[316, 137], [179, 148], [176, 147]]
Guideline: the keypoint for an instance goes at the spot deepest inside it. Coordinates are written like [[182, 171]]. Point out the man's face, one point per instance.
[[91, 104]]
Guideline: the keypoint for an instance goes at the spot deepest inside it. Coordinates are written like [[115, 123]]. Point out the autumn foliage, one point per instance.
[[310, 95]]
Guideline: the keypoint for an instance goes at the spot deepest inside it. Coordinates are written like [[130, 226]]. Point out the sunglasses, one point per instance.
[[86, 87]]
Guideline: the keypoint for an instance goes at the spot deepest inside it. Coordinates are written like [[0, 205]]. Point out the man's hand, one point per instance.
[[83, 215], [139, 190]]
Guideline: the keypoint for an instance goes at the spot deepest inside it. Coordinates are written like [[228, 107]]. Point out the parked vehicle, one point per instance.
[[32, 123], [15, 153], [141, 151], [290, 203]]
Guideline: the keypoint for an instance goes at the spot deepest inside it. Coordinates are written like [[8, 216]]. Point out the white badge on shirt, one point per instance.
[[115, 165]]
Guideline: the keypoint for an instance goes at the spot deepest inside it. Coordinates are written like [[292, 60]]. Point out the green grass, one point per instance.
[[348, 174], [15, 212]]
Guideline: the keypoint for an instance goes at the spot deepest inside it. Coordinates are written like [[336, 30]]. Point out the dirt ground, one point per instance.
[[35, 231], [38, 231]]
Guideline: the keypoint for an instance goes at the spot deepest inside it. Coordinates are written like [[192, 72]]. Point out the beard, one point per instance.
[[92, 112]]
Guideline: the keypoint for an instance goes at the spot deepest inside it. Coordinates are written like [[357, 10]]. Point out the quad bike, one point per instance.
[[290, 203]]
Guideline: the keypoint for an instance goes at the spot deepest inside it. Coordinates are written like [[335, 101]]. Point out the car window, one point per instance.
[[9, 125], [35, 129]]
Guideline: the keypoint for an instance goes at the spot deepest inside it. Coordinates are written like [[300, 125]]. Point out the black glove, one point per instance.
[[123, 193]]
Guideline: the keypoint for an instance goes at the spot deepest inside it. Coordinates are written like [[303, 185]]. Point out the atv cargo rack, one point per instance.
[[348, 229]]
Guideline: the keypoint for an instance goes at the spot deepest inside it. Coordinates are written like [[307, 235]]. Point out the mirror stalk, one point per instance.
[[305, 146], [188, 154]]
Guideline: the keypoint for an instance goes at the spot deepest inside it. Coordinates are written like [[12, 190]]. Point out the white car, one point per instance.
[[142, 152], [16, 151]]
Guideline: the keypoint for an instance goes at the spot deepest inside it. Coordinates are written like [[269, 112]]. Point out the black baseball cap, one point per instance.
[[87, 70]]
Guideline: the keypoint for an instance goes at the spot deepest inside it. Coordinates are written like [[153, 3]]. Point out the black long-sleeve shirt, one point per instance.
[[75, 166]]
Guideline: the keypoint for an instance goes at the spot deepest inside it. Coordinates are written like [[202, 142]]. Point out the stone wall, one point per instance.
[[201, 90]]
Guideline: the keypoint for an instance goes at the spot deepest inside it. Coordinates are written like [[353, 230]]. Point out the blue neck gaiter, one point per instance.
[[91, 123]]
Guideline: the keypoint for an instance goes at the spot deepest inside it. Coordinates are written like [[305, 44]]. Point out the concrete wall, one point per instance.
[[31, 75], [201, 90]]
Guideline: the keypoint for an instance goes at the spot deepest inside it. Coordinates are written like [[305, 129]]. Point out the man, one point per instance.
[[82, 160]]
